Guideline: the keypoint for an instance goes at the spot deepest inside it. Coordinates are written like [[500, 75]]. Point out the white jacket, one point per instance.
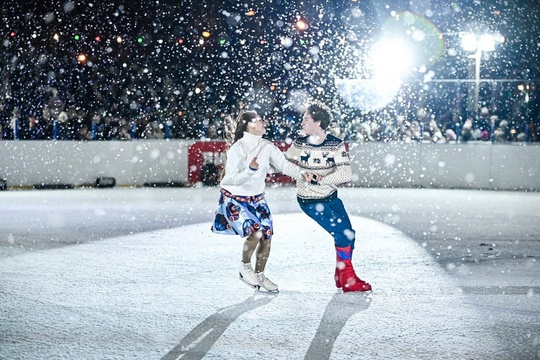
[[239, 179]]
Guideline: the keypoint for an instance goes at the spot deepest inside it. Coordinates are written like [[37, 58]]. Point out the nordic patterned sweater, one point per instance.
[[329, 159]]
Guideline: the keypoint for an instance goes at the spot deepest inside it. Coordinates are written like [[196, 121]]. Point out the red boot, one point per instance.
[[336, 273], [349, 281], [347, 277]]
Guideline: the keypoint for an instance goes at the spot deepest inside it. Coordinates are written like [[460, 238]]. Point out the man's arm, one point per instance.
[[293, 154]]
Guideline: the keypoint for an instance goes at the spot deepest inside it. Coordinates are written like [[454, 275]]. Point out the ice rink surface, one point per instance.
[[137, 274]]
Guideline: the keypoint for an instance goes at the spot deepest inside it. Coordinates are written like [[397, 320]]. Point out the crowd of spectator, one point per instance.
[[433, 131], [60, 123], [69, 124]]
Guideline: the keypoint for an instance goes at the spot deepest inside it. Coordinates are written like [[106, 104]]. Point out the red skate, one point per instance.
[[345, 276], [336, 273]]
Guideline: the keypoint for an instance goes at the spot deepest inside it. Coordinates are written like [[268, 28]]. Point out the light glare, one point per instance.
[[391, 60], [486, 42], [468, 42]]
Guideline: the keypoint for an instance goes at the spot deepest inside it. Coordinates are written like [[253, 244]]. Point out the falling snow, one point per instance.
[[165, 69]]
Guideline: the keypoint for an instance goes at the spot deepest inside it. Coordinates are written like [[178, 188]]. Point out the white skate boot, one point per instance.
[[265, 283], [247, 275]]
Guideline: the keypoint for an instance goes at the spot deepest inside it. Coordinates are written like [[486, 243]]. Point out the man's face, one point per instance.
[[309, 125]]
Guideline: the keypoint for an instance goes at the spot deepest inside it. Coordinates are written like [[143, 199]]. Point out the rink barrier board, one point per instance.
[[474, 165]]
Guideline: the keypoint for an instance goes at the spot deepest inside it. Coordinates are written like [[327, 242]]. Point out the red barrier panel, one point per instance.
[[202, 152]]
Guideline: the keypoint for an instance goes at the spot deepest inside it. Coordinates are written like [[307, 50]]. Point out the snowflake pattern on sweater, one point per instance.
[[329, 159]]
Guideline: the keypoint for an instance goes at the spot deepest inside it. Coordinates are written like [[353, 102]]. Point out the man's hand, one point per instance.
[[312, 177]]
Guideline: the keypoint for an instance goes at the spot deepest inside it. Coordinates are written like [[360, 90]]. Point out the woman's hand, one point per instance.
[[254, 165]]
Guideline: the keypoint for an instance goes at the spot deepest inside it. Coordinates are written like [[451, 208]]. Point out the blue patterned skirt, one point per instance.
[[242, 215]]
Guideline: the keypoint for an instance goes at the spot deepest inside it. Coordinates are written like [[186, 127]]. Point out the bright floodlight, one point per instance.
[[486, 42], [391, 60], [469, 42]]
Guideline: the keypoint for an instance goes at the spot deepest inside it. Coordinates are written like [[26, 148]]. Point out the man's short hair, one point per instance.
[[320, 113]]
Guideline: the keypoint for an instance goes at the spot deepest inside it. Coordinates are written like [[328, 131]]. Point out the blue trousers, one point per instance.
[[331, 215]]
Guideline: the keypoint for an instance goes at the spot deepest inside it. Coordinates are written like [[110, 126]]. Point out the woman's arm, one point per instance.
[[237, 170]]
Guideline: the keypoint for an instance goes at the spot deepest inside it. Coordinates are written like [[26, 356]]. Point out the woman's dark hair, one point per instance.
[[320, 113], [236, 128]]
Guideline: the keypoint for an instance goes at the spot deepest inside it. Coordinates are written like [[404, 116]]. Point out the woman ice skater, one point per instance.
[[242, 208]]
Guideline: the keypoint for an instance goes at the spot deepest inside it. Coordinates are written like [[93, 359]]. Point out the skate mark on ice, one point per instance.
[[501, 290]]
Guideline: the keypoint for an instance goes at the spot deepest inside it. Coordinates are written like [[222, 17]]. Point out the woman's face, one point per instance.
[[256, 126]]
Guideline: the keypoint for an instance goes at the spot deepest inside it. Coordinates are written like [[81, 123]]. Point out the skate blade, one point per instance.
[[261, 289], [363, 292]]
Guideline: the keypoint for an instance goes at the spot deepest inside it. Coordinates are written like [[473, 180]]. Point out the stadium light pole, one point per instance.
[[478, 44]]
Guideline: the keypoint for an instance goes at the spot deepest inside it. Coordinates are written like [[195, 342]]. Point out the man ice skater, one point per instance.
[[325, 161]]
